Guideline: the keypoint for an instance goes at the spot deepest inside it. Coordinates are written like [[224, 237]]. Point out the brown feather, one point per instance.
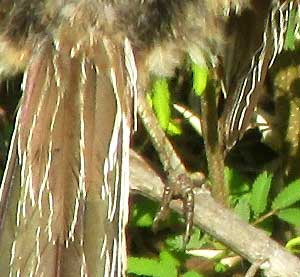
[[72, 133]]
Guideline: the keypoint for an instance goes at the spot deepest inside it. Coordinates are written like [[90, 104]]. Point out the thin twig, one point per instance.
[[264, 217], [213, 145], [254, 268]]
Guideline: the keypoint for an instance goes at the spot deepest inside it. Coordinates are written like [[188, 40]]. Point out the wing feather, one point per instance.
[[244, 83]]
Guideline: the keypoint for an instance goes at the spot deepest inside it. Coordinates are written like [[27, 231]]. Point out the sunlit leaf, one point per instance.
[[291, 215], [174, 129], [293, 245], [260, 192], [200, 76], [161, 102], [289, 43], [288, 196]]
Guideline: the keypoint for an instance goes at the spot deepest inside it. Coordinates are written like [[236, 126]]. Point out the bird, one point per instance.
[[64, 194]]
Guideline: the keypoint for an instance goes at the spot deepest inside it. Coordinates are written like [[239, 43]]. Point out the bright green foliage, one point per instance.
[[289, 43], [166, 266], [250, 204], [200, 76], [291, 215], [293, 245], [166, 257], [174, 242], [260, 192], [197, 240], [161, 102], [288, 196], [174, 129], [219, 267], [142, 266]]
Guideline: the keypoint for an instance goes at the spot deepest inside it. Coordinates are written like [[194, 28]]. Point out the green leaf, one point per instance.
[[168, 264], [200, 76], [288, 196], [142, 266], [165, 267], [174, 129], [221, 268], [196, 240], [237, 183], [161, 102], [293, 245], [192, 274], [242, 209], [143, 213], [291, 215], [175, 242], [260, 192], [166, 258], [289, 43]]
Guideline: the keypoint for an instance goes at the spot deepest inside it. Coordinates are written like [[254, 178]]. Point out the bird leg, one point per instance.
[[179, 183]]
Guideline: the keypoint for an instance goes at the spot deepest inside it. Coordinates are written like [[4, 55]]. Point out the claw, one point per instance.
[[188, 209], [178, 187], [164, 208]]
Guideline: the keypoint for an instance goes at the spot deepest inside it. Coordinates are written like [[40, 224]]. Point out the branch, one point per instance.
[[249, 242], [213, 143]]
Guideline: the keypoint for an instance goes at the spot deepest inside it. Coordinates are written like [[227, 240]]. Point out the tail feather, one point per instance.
[[64, 196]]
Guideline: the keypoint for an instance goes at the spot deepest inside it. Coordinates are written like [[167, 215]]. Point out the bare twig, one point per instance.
[[213, 145], [264, 217], [251, 243], [254, 268]]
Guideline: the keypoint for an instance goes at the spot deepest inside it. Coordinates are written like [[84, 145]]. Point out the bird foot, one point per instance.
[[178, 186]]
